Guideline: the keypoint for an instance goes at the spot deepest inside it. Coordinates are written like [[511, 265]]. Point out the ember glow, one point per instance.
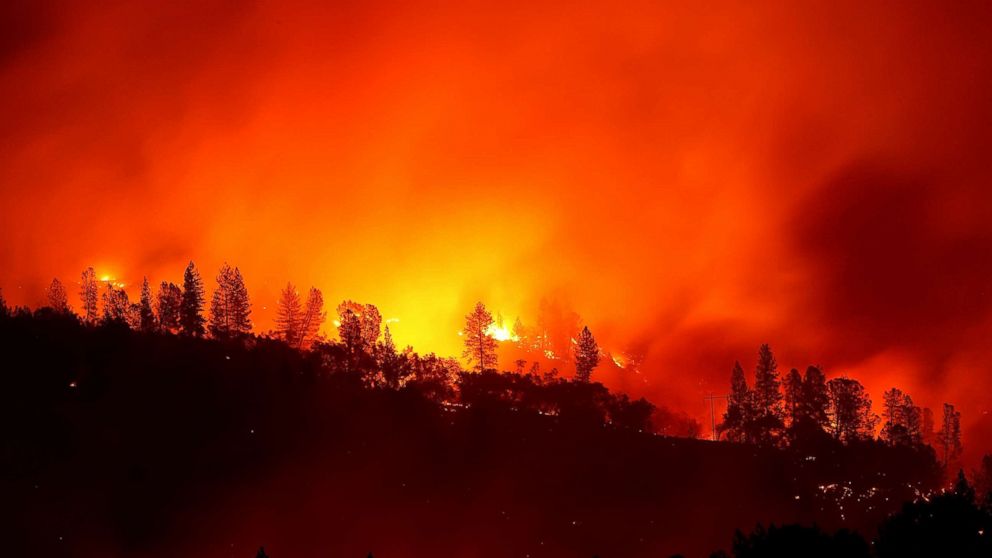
[[690, 181]]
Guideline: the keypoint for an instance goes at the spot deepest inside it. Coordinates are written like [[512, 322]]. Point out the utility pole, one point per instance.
[[711, 399]]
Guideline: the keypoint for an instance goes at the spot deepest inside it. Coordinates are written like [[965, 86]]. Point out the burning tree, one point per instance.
[[586, 355], [57, 299], [88, 295], [191, 307], [480, 347]]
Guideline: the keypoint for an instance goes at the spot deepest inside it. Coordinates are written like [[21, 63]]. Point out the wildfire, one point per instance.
[[500, 332]]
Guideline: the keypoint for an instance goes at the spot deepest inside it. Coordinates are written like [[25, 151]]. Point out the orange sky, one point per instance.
[[691, 181]]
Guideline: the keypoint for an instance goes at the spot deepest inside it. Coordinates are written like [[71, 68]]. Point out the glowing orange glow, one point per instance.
[[690, 181]]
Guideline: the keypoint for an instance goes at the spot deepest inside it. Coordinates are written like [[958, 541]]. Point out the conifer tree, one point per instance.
[[313, 318], [586, 355], [480, 347], [369, 322], [289, 315], [240, 305], [88, 295], [57, 298], [350, 331], [191, 308], [850, 409], [229, 307], [740, 412], [394, 366], [767, 397], [146, 316], [116, 306], [815, 403], [793, 388], [949, 437], [167, 306], [4, 309]]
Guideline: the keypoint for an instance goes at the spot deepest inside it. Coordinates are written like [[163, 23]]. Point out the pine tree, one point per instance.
[[850, 409], [480, 347], [767, 397], [57, 298], [167, 306], [116, 306], [4, 309], [815, 402], [350, 331], [369, 321], [88, 295], [313, 318], [146, 316], [191, 309], [289, 315], [586, 355], [394, 366], [740, 412], [793, 388], [949, 437], [229, 307], [240, 306]]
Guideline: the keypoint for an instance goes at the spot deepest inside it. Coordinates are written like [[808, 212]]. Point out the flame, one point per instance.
[[501, 333]]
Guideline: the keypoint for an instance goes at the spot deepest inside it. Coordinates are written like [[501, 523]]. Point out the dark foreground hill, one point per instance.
[[121, 443]]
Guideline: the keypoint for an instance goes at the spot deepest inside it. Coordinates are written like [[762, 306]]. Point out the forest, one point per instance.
[[166, 426]]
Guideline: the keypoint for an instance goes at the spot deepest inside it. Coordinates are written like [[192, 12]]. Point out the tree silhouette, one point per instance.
[[369, 322], [480, 347], [350, 331], [168, 303], [792, 389], [586, 355], [116, 306], [230, 308], [191, 308], [57, 299], [313, 317], [261, 553], [850, 410], [289, 315], [946, 524], [395, 367], [767, 397], [949, 437], [740, 408], [146, 316], [4, 309], [88, 295], [902, 419]]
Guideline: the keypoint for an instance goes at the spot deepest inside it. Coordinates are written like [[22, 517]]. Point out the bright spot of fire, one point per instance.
[[501, 333]]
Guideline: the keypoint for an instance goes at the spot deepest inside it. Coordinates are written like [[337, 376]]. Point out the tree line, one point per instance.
[[776, 411], [364, 348]]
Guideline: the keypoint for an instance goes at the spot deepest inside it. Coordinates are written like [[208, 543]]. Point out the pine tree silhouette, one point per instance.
[[586, 355], [480, 347], [191, 318]]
